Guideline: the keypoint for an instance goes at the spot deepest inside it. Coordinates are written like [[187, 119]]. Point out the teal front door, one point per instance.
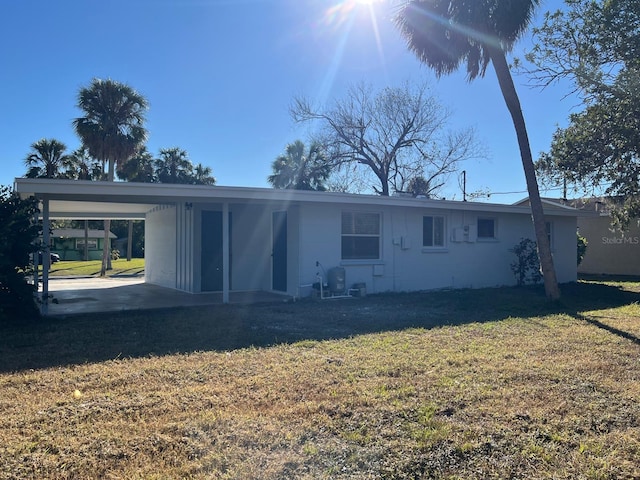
[[211, 252], [279, 251]]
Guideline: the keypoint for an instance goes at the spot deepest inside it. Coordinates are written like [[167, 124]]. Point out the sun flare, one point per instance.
[[346, 21]]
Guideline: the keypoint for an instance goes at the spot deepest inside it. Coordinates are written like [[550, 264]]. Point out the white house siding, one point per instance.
[[185, 247], [160, 246], [406, 265]]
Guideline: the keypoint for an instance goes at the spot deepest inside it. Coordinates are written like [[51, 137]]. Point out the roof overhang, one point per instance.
[[129, 200], [551, 206]]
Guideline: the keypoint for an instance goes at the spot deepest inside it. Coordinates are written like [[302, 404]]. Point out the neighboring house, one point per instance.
[[213, 238], [69, 243], [609, 251]]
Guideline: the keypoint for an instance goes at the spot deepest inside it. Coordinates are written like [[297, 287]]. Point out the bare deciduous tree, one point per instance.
[[391, 136]]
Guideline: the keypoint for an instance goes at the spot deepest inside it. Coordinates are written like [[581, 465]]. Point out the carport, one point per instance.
[[89, 200], [188, 233]]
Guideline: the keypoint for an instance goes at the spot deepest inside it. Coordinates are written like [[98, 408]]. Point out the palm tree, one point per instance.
[[112, 126], [173, 166], [446, 33], [112, 129], [138, 168], [46, 159], [300, 170], [203, 175], [79, 165]]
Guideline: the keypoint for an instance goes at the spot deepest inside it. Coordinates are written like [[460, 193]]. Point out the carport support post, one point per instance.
[[46, 257], [225, 252], [34, 256]]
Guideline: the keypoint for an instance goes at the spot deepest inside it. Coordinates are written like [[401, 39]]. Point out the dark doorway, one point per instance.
[[211, 252], [279, 251]]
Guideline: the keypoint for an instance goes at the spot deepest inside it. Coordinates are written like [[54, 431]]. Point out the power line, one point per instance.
[[488, 194]]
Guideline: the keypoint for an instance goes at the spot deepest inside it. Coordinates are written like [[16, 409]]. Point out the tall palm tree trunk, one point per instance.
[[510, 95]]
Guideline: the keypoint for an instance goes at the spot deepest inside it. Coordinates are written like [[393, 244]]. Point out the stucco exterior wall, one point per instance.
[[406, 265], [609, 252], [160, 232], [314, 246]]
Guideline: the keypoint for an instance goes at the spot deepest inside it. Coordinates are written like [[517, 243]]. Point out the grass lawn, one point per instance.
[[92, 268], [495, 383]]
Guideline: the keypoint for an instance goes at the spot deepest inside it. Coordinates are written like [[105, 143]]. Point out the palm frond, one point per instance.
[[446, 33]]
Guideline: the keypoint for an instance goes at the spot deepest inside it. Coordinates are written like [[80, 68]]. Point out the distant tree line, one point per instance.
[[48, 159]]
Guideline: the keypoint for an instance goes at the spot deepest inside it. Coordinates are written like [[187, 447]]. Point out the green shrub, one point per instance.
[[18, 235], [526, 267], [582, 247]]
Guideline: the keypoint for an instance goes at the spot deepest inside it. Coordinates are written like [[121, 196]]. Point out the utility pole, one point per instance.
[[464, 185]]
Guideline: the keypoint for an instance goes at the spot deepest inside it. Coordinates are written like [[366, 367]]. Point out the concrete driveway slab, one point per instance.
[[73, 296]]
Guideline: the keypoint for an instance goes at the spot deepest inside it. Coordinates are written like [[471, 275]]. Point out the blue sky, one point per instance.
[[220, 75]]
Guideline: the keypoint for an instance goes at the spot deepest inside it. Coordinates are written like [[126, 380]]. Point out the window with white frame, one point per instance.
[[360, 236], [486, 228], [433, 231], [92, 243]]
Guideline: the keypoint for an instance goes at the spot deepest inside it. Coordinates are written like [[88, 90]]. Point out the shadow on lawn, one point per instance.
[[608, 328], [99, 337]]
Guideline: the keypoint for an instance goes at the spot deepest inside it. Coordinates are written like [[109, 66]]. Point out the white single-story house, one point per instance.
[[227, 239]]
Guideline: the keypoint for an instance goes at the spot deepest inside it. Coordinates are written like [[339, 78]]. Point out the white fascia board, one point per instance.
[[160, 193]]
